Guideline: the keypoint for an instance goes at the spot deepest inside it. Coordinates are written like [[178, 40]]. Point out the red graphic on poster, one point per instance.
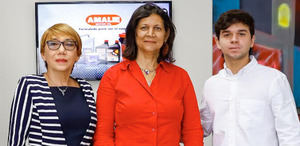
[[265, 55]]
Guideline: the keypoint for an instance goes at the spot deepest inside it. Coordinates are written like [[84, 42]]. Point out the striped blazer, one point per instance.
[[34, 116]]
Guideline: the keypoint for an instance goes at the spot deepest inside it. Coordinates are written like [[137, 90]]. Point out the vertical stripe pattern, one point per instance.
[[34, 117]]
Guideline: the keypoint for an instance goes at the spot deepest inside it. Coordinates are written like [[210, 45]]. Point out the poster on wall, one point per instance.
[[101, 26]]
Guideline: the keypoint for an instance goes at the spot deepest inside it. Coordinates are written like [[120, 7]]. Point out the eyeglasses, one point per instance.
[[55, 44]]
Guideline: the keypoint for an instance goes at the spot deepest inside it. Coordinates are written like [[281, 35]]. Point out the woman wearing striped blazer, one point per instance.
[[54, 108]]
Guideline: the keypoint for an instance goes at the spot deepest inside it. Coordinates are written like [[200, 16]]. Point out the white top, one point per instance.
[[254, 107]]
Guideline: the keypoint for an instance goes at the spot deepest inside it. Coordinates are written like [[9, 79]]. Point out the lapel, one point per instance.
[[89, 97], [56, 114], [138, 75]]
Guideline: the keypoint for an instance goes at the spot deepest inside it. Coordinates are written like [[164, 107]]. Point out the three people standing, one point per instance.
[[147, 100]]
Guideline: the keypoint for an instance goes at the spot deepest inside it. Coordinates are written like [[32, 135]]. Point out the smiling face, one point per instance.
[[235, 42], [150, 34], [61, 59]]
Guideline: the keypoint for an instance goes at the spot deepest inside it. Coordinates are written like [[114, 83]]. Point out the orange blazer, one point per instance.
[[130, 113]]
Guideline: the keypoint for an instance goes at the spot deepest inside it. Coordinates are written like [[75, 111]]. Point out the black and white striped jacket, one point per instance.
[[34, 117]]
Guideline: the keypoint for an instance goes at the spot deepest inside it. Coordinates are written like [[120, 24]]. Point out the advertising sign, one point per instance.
[[101, 26]]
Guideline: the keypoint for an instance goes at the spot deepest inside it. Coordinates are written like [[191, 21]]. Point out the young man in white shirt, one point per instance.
[[247, 104]]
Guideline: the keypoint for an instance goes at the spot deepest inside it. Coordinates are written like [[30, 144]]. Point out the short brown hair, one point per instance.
[[232, 17], [58, 29]]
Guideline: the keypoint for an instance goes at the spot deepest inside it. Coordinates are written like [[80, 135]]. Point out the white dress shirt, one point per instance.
[[254, 107]]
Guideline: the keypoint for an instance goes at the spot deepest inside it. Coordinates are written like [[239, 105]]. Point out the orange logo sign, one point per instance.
[[103, 20]]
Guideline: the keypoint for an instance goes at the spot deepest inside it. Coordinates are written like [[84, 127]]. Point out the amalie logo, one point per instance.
[[103, 20]]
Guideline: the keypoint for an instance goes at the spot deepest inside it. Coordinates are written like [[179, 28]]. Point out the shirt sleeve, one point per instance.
[[285, 113], [192, 133], [206, 116], [105, 106], [20, 115]]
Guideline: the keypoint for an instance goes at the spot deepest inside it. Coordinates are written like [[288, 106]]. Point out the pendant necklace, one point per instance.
[[63, 91], [147, 71]]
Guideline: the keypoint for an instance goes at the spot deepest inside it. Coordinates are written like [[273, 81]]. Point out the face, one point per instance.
[[61, 59], [235, 42], [151, 34]]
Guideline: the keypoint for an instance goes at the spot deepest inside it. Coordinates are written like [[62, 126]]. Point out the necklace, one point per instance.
[[147, 71], [63, 91]]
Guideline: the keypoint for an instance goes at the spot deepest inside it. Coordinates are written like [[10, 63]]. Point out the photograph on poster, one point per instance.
[[101, 26]]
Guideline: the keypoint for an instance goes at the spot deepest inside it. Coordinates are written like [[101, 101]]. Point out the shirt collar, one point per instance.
[[164, 65], [125, 64], [243, 70]]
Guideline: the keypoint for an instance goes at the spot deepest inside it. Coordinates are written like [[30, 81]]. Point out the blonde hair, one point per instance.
[[61, 29]]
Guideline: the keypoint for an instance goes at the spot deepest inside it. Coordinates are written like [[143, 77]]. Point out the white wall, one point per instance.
[[192, 48]]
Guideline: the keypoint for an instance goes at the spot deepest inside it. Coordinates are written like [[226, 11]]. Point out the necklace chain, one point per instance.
[[63, 91]]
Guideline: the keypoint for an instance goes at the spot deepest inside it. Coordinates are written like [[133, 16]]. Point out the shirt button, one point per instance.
[[153, 113], [153, 129]]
